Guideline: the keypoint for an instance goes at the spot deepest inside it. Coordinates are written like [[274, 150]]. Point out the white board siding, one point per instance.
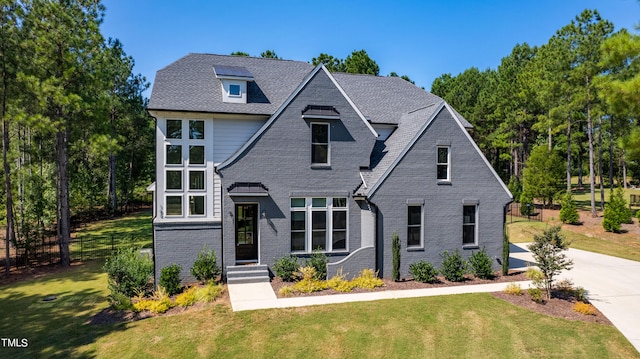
[[230, 135]]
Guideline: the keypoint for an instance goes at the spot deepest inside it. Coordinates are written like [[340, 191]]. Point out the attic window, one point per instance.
[[234, 91], [320, 112]]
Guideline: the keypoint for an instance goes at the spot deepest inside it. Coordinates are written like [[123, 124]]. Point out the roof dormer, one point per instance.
[[233, 80]]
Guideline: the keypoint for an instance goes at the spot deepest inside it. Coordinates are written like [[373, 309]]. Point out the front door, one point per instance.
[[246, 233]]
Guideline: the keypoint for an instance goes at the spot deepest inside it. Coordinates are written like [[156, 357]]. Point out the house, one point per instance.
[[261, 158]]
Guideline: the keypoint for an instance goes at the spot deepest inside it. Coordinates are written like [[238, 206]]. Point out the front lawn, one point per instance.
[[473, 325]]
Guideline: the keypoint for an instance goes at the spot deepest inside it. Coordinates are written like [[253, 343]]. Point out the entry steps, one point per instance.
[[250, 273]]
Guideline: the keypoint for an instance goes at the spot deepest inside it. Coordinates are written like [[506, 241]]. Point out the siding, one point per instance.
[[230, 135], [414, 179]]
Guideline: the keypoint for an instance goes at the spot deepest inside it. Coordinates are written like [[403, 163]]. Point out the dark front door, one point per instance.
[[246, 233]]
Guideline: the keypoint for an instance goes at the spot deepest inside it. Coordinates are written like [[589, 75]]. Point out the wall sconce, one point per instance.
[[264, 214], [230, 214]]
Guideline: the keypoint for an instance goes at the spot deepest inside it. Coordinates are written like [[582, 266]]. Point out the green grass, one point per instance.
[[132, 230], [582, 197], [473, 325], [627, 247]]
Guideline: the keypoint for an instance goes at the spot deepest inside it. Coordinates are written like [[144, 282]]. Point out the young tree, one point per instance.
[[616, 212], [547, 250], [543, 174], [568, 212]]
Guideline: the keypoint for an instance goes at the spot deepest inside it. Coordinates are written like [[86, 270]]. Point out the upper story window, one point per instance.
[[196, 130], [444, 164], [174, 154], [234, 90], [174, 129], [320, 145]]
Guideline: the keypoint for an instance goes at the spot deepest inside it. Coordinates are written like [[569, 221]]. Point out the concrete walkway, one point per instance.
[[613, 286]]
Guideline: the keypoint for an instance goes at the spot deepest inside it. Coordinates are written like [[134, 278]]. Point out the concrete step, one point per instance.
[[248, 274]]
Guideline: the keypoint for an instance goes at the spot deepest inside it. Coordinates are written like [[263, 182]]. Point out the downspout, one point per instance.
[[222, 267]]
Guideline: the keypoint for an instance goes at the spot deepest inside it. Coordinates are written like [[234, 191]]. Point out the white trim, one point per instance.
[[476, 224], [189, 195], [448, 163], [285, 104], [405, 150], [320, 117], [328, 209], [473, 143], [421, 244]]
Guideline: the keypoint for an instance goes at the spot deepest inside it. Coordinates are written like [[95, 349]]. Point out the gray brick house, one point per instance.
[[262, 158]]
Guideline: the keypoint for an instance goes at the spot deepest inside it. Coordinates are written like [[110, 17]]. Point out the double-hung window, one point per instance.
[[469, 225], [414, 226], [320, 146], [319, 223], [443, 164]]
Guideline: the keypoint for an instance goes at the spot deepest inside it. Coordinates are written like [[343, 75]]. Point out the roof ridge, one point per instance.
[[246, 57]]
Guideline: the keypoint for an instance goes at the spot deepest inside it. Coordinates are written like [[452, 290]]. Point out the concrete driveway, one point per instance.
[[613, 286]]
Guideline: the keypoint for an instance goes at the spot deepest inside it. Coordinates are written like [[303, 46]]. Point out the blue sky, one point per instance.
[[422, 39]]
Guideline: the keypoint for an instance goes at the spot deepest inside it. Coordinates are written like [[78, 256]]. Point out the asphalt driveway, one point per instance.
[[613, 286]]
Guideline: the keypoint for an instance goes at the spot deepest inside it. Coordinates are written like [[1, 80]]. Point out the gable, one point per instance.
[[442, 127]]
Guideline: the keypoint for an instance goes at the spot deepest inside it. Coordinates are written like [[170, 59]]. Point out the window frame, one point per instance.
[[166, 205], [328, 209], [447, 164], [231, 93], [204, 181], [166, 179], [419, 225], [327, 144], [469, 224], [204, 205]]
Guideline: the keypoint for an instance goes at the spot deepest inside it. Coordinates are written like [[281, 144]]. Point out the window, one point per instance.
[[318, 223], [196, 205], [320, 143], [443, 170], [174, 180], [196, 130], [174, 129], [196, 155], [414, 226], [234, 90], [174, 205], [469, 225], [174, 154], [196, 180]]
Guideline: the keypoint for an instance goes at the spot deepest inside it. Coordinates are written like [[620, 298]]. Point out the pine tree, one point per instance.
[[616, 212], [568, 212]]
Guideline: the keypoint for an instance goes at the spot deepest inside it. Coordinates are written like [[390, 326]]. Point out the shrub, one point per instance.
[[119, 301], [160, 302], [205, 268], [424, 272], [505, 250], [616, 212], [318, 260], [188, 297], [536, 295], [568, 211], [454, 266], [339, 283], [580, 294], [395, 252], [308, 284], [481, 264], [209, 292], [367, 279], [128, 272], [286, 268], [513, 289], [536, 277], [170, 279], [565, 285], [584, 308]]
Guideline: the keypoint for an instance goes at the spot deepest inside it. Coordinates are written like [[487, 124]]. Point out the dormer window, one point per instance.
[[233, 82], [234, 90]]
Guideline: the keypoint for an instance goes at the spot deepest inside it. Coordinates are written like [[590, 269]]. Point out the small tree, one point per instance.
[[505, 250], [616, 212], [515, 187], [395, 252], [569, 212], [128, 272], [547, 251]]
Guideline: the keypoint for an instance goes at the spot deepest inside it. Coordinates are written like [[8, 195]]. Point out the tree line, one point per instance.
[[75, 132], [567, 108]]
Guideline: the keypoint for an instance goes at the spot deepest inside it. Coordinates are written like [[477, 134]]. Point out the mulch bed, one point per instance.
[[514, 276], [559, 306]]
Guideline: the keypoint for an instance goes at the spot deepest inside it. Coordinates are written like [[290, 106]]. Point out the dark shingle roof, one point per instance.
[[189, 84]]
